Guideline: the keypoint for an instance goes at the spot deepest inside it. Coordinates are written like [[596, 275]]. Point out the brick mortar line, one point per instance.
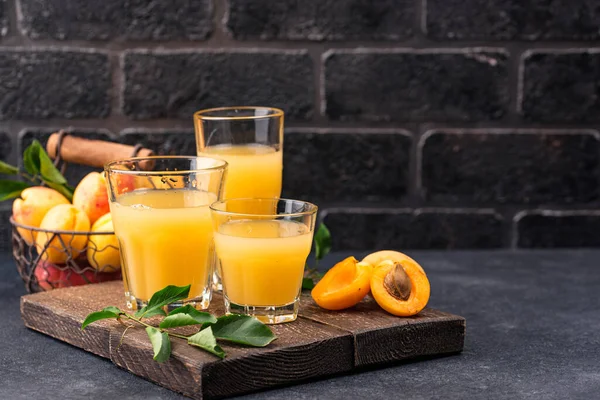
[[414, 210], [504, 209], [219, 34], [513, 232], [116, 86], [523, 125], [418, 156], [510, 230], [12, 19], [514, 89], [414, 192], [118, 121], [504, 131], [507, 213], [220, 39], [318, 85], [420, 31]]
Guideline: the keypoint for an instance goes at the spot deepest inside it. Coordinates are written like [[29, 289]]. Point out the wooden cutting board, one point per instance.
[[319, 343]]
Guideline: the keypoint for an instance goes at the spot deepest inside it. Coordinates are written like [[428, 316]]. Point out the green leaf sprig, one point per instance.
[[240, 329], [39, 170], [322, 241]]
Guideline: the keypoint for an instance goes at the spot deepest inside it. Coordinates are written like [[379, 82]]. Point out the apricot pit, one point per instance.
[[397, 283]]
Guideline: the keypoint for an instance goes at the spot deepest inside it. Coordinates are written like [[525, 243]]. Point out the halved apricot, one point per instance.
[[344, 285], [400, 287]]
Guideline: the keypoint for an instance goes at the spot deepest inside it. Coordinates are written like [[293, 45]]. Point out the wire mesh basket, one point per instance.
[[66, 258], [70, 258]]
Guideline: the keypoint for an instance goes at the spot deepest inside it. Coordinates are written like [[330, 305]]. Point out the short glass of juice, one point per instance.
[[161, 217], [262, 255]]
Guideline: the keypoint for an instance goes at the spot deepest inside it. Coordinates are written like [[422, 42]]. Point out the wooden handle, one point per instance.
[[94, 153]]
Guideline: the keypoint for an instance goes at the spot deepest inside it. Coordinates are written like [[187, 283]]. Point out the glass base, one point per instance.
[[217, 286], [265, 314], [199, 303]]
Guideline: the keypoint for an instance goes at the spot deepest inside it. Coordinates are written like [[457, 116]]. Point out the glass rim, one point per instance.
[[313, 207], [201, 114], [109, 167]]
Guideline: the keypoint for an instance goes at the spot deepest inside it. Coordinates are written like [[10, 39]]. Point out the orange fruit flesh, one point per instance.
[[343, 286]]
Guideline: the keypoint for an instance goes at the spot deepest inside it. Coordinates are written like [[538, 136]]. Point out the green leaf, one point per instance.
[[65, 190], [322, 242], [114, 309], [186, 315], [163, 297], [8, 169], [205, 339], [147, 314], [243, 329], [11, 189], [47, 169], [108, 312], [160, 344], [31, 158], [308, 284]]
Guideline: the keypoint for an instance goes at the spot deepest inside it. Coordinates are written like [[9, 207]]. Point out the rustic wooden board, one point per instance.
[[319, 343], [380, 337]]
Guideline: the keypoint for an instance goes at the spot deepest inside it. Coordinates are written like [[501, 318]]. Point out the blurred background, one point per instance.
[[438, 124]]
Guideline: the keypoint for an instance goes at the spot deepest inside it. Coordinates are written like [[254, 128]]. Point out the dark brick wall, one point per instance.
[[439, 124]]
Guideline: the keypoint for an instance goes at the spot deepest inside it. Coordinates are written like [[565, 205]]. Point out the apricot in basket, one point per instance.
[[60, 248], [91, 196], [103, 250], [50, 276], [31, 208]]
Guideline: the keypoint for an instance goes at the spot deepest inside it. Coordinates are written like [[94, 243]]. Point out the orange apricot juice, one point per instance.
[[262, 262], [253, 170], [165, 238]]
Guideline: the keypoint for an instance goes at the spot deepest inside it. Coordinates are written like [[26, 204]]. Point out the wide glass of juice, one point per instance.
[[250, 139], [262, 255], [161, 217]]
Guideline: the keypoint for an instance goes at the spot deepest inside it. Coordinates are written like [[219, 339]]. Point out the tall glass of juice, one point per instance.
[[250, 139], [161, 217], [262, 255]]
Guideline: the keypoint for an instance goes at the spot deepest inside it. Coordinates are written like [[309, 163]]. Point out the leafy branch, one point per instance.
[[322, 241], [240, 329], [38, 170]]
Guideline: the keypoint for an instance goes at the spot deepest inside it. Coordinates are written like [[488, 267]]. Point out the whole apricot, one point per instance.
[[71, 278], [91, 196], [123, 183], [48, 275], [31, 208], [60, 248], [103, 250]]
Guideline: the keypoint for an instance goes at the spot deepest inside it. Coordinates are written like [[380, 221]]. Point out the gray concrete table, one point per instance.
[[533, 332]]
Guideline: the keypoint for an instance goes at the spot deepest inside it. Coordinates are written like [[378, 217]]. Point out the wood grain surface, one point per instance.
[[319, 343]]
